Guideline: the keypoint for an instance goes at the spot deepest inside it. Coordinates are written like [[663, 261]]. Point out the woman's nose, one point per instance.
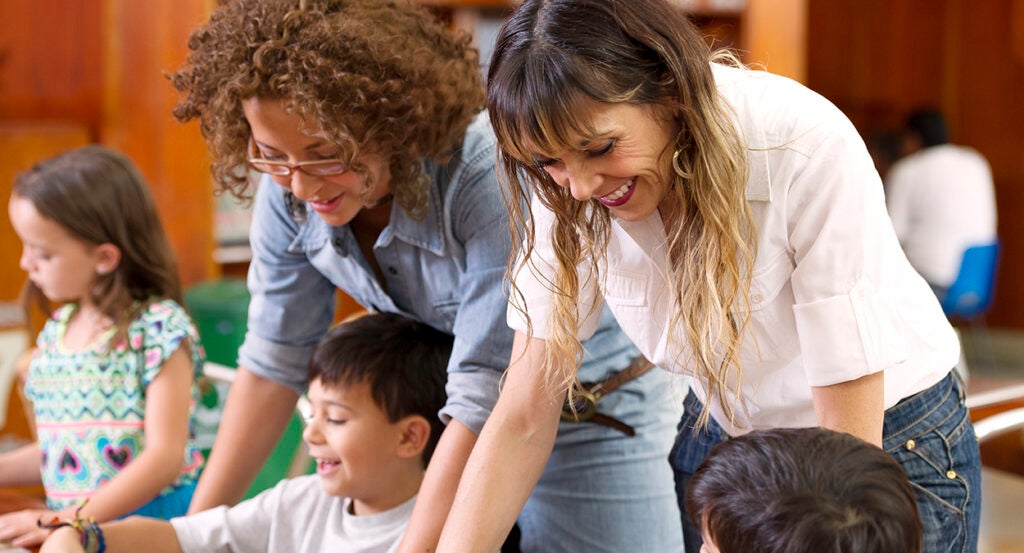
[[580, 182], [304, 186]]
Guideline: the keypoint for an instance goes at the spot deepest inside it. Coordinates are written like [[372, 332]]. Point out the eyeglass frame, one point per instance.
[[254, 161]]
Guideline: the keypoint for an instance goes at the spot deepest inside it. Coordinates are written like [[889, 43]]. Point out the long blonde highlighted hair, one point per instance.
[[552, 57]]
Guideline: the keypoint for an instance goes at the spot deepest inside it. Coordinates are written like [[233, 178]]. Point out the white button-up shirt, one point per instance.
[[832, 298]]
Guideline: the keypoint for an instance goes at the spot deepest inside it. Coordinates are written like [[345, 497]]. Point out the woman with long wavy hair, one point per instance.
[[735, 225], [363, 120]]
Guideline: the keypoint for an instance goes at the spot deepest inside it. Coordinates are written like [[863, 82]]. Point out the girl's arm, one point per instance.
[[123, 536], [156, 467], [509, 456], [856, 407], [20, 467], [166, 433]]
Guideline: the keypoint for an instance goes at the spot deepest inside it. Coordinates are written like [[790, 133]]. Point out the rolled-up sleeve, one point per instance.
[[292, 303], [842, 244], [483, 341]]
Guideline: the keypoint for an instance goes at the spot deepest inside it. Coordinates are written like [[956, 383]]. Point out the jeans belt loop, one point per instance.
[[591, 393]]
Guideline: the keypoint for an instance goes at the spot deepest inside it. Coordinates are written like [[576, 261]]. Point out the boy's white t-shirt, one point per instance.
[[296, 515]]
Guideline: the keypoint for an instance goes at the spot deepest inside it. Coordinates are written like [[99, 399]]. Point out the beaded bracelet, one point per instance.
[[90, 534]]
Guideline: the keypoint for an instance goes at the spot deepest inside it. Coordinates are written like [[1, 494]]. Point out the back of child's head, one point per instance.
[[403, 361], [98, 196], [928, 126], [804, 490]]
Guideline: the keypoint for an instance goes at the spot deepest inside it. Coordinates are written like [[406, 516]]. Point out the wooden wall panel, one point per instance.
[[50, 65], [774, 35], [145, 41], [988, 113], [875, 59], [879, 59]]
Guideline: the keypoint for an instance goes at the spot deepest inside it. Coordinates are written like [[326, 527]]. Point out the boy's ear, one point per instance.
[[415, 435], [108, 257]]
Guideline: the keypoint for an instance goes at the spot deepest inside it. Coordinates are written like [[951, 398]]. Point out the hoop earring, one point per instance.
[[675, 164]]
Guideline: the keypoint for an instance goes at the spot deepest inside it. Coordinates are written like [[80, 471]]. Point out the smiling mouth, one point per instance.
[[620, 196], [326, 465], [324, 206]]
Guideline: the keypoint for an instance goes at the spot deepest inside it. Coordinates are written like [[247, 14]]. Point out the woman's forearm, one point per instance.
[[508, 459], [255, 416], [856, 407], [499, 476], [438, 489]]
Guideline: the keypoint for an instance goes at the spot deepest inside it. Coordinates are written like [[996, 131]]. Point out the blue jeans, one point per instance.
[[929, 434]]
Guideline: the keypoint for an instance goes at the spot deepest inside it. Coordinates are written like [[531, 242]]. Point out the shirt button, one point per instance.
[[911, 444], [756, 298], [951, 474], [336, 242], [392, 271]]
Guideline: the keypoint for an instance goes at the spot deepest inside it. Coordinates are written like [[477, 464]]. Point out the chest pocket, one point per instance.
[[770, 281], [625, 289], [446, 309]]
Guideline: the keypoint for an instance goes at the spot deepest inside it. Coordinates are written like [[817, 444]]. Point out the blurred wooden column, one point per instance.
[[144, 42], [774, 34]]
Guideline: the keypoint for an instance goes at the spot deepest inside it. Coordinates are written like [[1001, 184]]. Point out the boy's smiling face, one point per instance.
[[359, 453]]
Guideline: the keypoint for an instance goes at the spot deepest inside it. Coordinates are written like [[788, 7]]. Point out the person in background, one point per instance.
[[376, 385], [112, 376], [803, 490], [734, 223], [884, 146], [941, 199], [363, 120]]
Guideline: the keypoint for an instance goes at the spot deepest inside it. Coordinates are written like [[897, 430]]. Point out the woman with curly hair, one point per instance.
[[378, 177], [734, 223]]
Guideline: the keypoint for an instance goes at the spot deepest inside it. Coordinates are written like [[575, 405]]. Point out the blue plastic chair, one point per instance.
[[970, 297]]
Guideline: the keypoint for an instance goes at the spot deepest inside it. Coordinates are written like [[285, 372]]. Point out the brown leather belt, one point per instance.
[[592, 392]]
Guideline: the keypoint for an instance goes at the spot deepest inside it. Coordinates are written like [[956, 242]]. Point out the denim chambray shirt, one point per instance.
[[446, 270]]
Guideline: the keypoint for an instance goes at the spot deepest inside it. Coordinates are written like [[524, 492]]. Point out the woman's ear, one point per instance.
[[108, 257], [414, 437]]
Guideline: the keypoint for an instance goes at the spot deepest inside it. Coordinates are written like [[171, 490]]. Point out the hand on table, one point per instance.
[[20, 528]]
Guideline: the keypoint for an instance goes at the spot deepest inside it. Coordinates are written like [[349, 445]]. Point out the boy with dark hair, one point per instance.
[[376, 386], [803, 490]]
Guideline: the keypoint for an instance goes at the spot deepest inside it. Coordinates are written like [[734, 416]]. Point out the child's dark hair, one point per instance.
[[98, 195], [929, 126], [402, 360], [804, 490]]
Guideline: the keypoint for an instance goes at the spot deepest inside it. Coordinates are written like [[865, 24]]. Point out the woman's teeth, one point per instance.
[[619, 193]]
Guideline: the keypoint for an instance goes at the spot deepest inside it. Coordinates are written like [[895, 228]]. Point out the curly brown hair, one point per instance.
[[381, 75]]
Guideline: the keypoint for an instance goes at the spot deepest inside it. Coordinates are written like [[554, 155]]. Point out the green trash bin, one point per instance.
[[220, 311]]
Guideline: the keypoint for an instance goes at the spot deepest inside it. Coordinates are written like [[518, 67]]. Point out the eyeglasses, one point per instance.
[[316, 168]]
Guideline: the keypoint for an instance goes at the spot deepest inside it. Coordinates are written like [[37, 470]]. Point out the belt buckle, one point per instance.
[[586, 407]]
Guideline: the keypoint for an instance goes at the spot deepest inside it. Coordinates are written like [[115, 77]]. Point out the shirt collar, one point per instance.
[[427, 234]]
